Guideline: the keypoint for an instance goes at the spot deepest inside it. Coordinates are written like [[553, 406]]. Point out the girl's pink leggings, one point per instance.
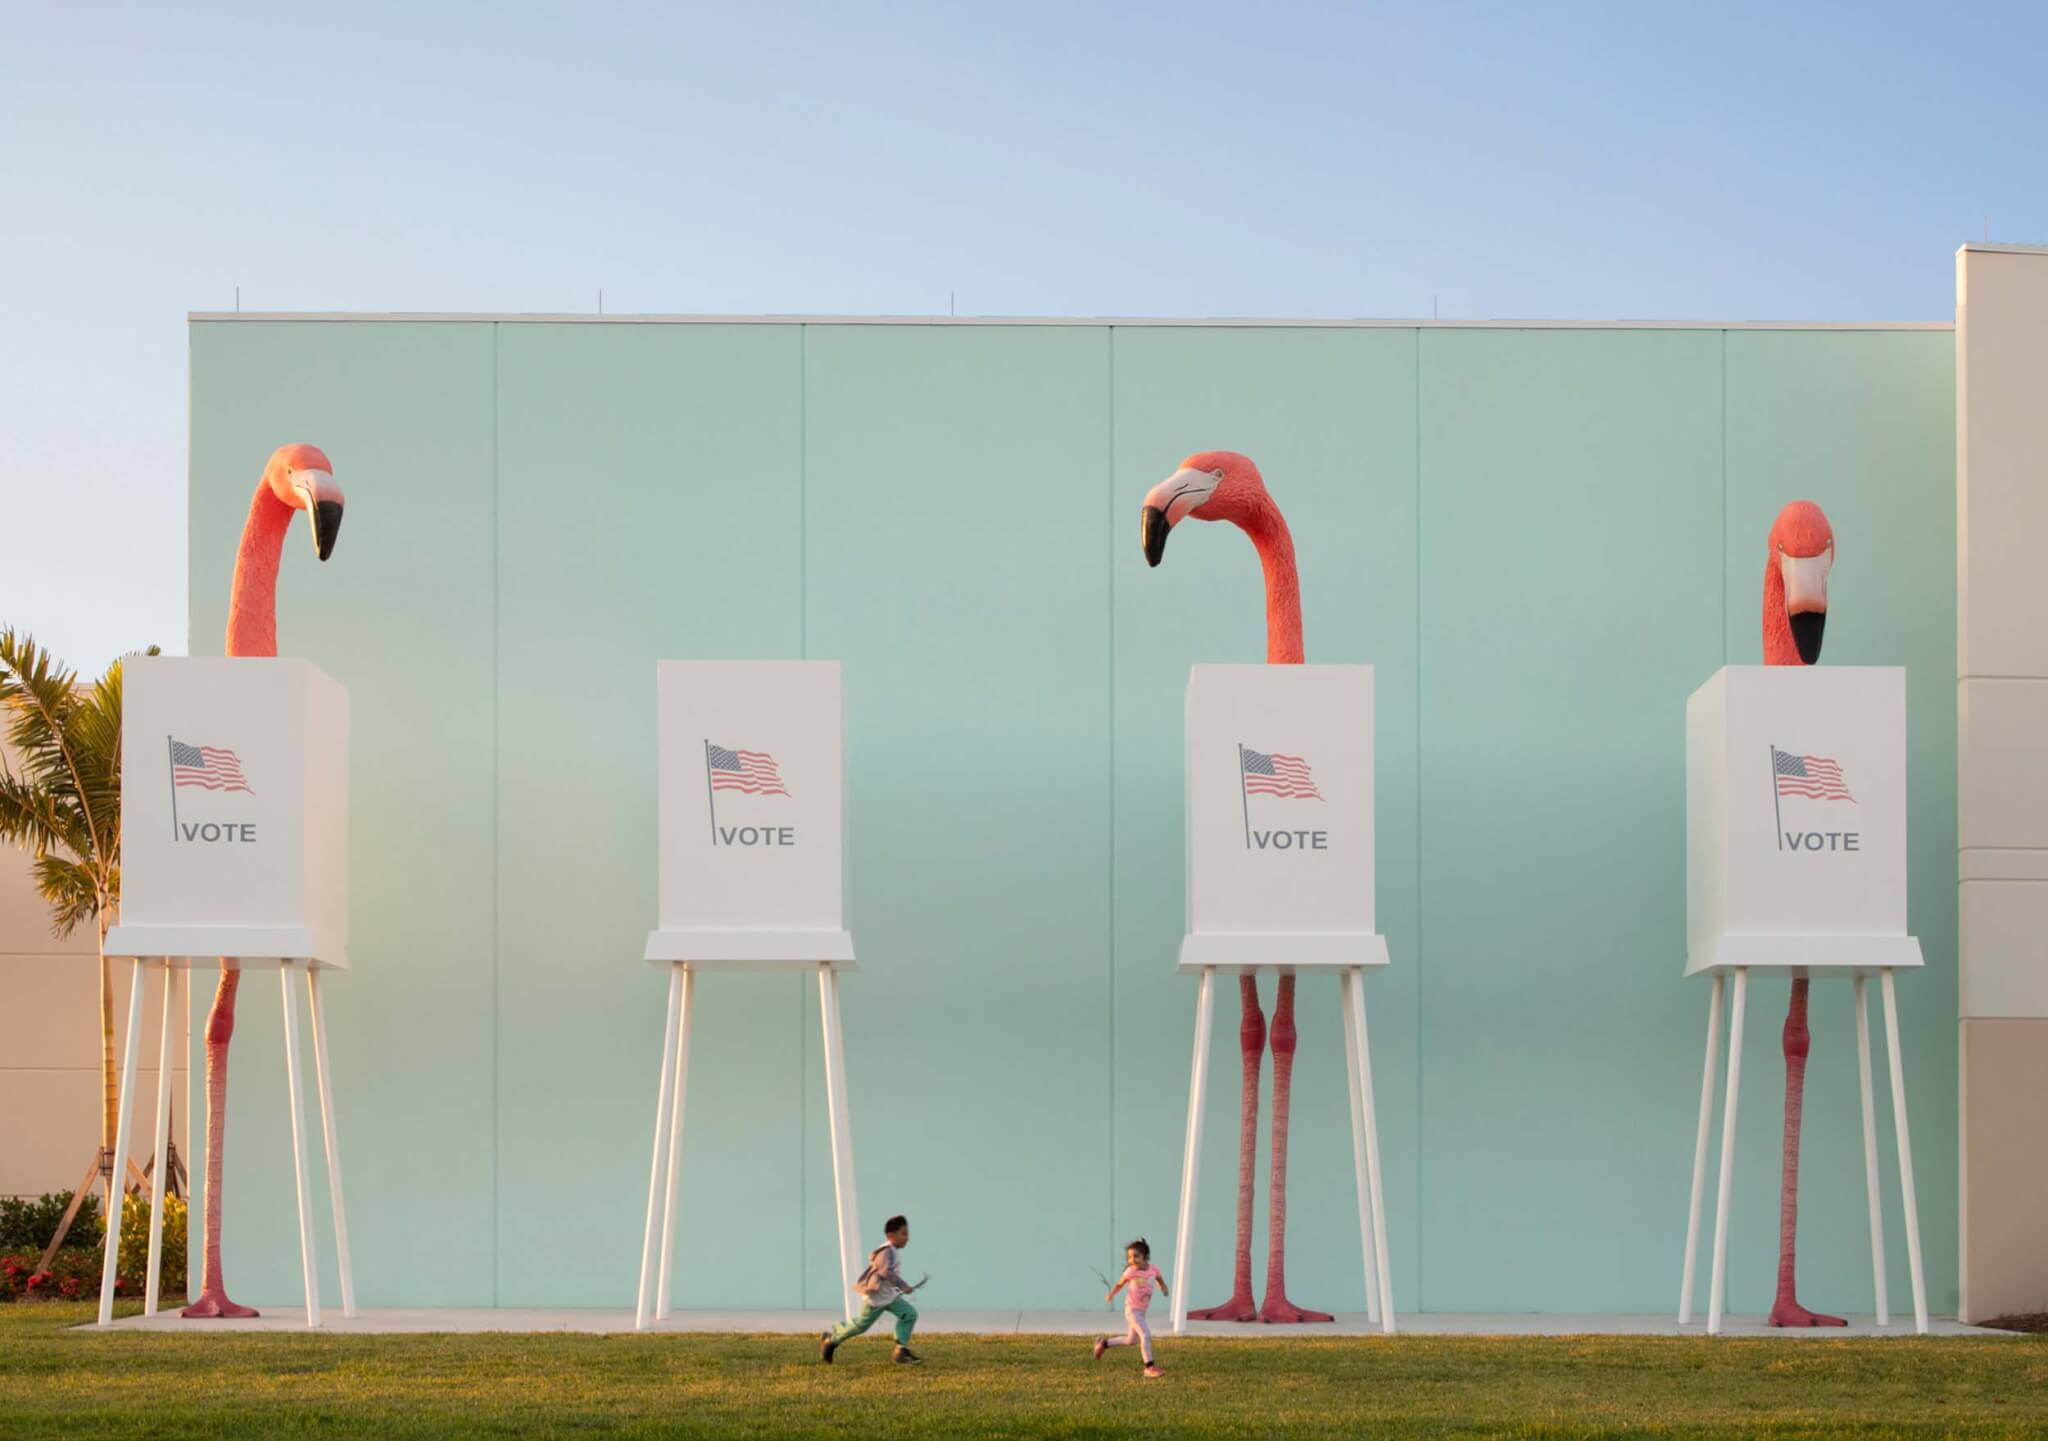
[[1140, 1335]]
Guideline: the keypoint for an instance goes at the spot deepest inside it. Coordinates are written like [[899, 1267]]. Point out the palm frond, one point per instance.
[[39, 695], [106, 701], [71, 890], [61, 798], [28, 815]]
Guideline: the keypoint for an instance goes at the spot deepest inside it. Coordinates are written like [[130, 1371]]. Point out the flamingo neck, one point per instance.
[[1270, 536], [1779, 647], [252, 604]]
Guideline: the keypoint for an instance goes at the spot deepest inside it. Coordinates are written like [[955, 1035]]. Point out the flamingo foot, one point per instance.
[[1279, 1311], [1238, 1308], [214, 1305], [1791, 1313]]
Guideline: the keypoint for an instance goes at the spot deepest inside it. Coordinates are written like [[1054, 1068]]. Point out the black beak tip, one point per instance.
[[1154, 531], [1806, 634], [326, 526]]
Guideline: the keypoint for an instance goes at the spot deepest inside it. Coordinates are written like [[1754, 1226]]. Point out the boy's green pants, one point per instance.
[[900, 1308]]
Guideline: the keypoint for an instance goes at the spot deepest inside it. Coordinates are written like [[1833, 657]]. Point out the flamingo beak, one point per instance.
[[1806, 599], [1168, 503], [322, 501], [1154, 529]]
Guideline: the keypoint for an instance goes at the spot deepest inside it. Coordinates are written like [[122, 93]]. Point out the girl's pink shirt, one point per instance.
[[1139, 1283]]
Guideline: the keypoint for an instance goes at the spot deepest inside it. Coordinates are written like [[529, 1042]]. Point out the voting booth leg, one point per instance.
[[675, 1144], [323, 1079], [643, 1300], [1891, 1037], [1191, 1161], [1870, 1152], [1372, 1154], [295, 1087], [1699, 1151], [122, 1133], [1372, 1289], [1717, 1285], [842, 1136], [152, 1286]]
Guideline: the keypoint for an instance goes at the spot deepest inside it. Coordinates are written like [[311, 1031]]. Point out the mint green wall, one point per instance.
[[1544, 540]]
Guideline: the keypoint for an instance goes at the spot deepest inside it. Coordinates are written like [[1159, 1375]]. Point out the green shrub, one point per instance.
[[135, 1243], [28, 1224], [74, 1272]]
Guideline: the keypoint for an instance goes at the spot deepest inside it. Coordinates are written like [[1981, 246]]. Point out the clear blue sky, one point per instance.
[[1707, 162]]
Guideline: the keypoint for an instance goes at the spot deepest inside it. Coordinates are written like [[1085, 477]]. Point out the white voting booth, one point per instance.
[[1280, 878], [752, 845], [1796, 865], [234, 840]]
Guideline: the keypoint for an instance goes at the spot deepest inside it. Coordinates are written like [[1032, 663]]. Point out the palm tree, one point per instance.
[[61, 801]]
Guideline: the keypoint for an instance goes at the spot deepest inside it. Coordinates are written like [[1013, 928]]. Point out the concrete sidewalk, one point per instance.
[[375, 1321]]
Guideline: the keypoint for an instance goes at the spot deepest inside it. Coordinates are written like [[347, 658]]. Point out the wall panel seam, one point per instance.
[[1421, 1210], [803, 630], [497, 840]]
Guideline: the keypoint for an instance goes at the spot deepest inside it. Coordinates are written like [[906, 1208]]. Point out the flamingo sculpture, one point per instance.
[[1795, 612], [1223, 485], [298, 477]]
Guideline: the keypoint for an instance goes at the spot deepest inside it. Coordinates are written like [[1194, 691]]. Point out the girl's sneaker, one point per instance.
[[1101, 1345], [1153, 1373]]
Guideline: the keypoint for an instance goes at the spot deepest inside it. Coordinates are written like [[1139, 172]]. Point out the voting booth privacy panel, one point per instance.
[[234, 821], [752, 813], [1280, 817], [1796, 819], [949, 511]]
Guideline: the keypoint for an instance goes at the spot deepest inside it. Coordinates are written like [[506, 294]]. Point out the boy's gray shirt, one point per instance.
[[891, 1283]]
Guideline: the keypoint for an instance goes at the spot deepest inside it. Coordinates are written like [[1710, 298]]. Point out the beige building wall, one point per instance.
[[50, 1053], [2002, 783]]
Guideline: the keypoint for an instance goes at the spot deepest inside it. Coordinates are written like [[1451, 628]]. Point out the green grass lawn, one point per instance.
[[57, 1383]]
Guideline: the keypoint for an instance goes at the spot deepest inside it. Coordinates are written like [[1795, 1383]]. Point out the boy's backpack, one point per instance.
[[870, 1279]]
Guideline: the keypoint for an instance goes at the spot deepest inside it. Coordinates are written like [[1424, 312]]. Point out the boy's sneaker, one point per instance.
[[1101, 1345], [1153, 1373], [906, 1357], [825, 1347]]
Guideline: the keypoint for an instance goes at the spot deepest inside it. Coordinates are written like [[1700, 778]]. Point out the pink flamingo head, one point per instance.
[[303, 478], [1212, 485], [1802, 551]]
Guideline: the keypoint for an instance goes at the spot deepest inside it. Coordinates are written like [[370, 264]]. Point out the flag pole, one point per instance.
[[1777, 806], [171, 753], [1244, 799], [708, 795]]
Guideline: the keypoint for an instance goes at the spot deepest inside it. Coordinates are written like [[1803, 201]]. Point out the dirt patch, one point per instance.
[[2033, 1321]]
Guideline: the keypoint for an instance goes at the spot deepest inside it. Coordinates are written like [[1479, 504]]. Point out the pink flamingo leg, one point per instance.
[[1251, 1040], [1278, 1308], [220, 1029], [1787, 1311]]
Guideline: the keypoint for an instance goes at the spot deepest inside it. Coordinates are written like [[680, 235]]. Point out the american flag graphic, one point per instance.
[[754, 772], [1277, 775], [1816, 778], [214, 767]]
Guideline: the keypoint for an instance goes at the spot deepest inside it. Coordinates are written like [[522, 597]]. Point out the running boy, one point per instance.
[[1141, 1276], [883, 1288]]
